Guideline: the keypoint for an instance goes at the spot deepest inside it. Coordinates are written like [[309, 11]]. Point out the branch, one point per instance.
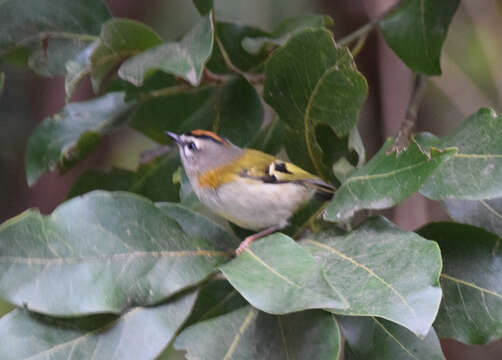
[[417, 96]]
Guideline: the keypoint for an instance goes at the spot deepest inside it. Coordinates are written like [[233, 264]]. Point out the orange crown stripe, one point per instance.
[[210, 134]]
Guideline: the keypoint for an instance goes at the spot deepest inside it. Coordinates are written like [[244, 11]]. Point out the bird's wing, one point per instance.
[[274, 171]]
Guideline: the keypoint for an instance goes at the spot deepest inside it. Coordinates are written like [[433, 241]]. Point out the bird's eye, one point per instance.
[[191, 146]]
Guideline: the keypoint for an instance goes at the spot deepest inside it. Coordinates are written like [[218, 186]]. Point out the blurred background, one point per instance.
[[472, 78]]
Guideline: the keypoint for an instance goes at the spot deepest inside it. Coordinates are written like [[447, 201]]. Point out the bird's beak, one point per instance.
[[175, 137]]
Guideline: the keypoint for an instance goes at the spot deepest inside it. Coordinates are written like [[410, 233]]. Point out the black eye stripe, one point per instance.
[[191, 146]]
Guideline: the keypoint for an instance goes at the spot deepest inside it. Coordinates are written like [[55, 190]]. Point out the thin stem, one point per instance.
[[252, 78], [359, 45], [362, 31], [417, 97], [173, 90]]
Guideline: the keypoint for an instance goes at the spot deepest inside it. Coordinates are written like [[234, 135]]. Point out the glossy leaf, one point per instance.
[[250, 334], [471, 310], [77, 68], [233, 110], [382, 271], [28, 21], [385, 180], [416, 30], [278, 276], [185, 59], [65, 138], [483, 213], [121, 251], [152, 180], [119, 40], [369, 338], [308, 82], [475, 172], [139, 333], [270, 139], [285, 30]]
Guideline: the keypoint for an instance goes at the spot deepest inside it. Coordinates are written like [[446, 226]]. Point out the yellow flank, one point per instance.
[[256, 164]]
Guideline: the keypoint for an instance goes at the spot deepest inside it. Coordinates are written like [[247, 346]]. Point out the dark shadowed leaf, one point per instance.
[[309, 81], [230, 36], [204, 6], [357, 265], [475, 172], [416, 29], [270, 139], [483, 213], [185, 59], [102, 252], [139, 333], [277, 275], [471, 310], [153, 180], [119, 39], [233, 110], [284, 31], [385, 180], [28, 21], [63, 139], [2, 84], [369, 338], [248, 333]]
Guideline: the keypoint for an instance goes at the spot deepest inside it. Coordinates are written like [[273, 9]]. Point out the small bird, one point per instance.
[[249, 188]]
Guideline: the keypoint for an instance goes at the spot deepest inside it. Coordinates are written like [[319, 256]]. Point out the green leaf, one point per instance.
[[230, 37], [471, 310], [278, 276], [120, 39], [78, 67], [28, 21], [215, 298], [475, 172], [250, 334], [369, 338], [203, 6], [309, 81], [139, 333], [216, 108], [270, 139], [101, 252], [385, 180], [285, 30], [483, 213], [65, 138], [185, 59], [382, 271], [416, 30], [152, 180]]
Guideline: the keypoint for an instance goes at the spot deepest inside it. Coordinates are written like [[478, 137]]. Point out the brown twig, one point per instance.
[[417, 96]]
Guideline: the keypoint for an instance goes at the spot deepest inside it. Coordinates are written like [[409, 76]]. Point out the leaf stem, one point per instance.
[[252, 78], [363, 31], [417, 96]]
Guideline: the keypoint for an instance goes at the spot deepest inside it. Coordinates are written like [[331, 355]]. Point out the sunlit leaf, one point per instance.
[[475, 172], [185, 58], [471, 310], [277, 275], [250, 334], [385, 180], [102, 252], [139, 333], [119, 39], [308, 82], [63, 139], [77, 68], [382, 271], [416, 30], [369, 338]]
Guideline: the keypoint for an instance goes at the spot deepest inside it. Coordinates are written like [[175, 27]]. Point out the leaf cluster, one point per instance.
[[132, 266]]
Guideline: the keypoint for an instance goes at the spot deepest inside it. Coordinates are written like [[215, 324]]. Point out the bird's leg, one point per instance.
[[245, 243]]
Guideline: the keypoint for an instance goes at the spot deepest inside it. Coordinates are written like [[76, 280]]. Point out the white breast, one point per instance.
[[254, 205]]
